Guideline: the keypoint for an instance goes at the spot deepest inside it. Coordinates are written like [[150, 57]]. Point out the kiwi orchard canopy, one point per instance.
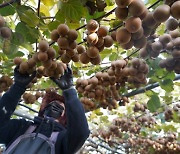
[[114, 48]]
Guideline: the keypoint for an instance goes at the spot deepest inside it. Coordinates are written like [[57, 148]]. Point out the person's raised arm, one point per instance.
[[77, 126], [10, 99]]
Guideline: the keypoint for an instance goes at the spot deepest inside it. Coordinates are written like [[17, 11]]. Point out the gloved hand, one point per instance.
[[23, 79], [65, 81]]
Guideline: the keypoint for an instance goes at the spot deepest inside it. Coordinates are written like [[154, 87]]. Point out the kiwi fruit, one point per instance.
[[155, 53], [92, 26], [61, 52], [84, 58], [144, 14], [70, 53], [169, 46], [42, 56], [147, 31], [121, 13], [171, 24], [157, 46], [140, 43], [135, 62], [43, 45], [101, 48], [31, 62], [136, 8], [35, 56], [92, 52], [92, 38], [80, 49], [128, 45], [143, 52], [72, 35], [123, 36], [113, 35], [54, 35], [108, 41], [170, 62], [165, 39], [23, 67], [75, 58], [162, 63], [47, 64], [54, 65], [5, 32], [100, 42], [176, 53], [176, 42], [96, 60], [72, 45], [2, 21], [174, 33], [63, 43], [51, 53], [102, 31], [175, 10], [161, 13], [65, 58], [123, 3], [133, 24], [138, 34], [17, 60], [149, 20], [63, 30], [60, 68]]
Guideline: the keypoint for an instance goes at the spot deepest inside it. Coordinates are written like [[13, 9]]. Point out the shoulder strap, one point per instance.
[[54, 136], [30, 129]]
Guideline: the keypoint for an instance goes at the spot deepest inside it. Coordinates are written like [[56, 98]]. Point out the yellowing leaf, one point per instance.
[[48, 2], [44, 9]]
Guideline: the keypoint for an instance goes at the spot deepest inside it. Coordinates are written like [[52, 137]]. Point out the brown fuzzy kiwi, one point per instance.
[[51, 53], [43, 45], [155, 53], [54, 65], [5, 32], [175, 10], [63, 43], [143, 52], [176, 53], [102, 31], [92, 38], [61, 52], [162, 63], [80, 49], [42, 56], [63, 30], [157, 46], [123, 3], [35, 56], [2, 21], [147, 31], [72, 35], [161, 13], [101, 48], [133, 71], [121, 13], [54, 35], [108, 41], [128, 45], [72, 45], [138, 34], [140, 43], [76, 57], [47, 64], [169, 46], [164, 39], [99, 75], [176, 42], [144, 14], [170, 62], [92, 52], [60, 68], [133, 24], [123, 36], [136, 8], [113, 35], [23, 67], [96, 60], [65, 58], [84, 58], [174, 33], [31, 62], [100, 42], [135, 62], [17, 60], [149, 20], [92, 26], [171, 24]]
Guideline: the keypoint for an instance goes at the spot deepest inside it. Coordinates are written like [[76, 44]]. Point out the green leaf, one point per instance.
[[17, 54], [72, 10], [28, 16], [53, 25], [98, 112], [104, 119], [8, 10], [3, 57], [8, 47], [167, 85], [113, 56], [154, 103]]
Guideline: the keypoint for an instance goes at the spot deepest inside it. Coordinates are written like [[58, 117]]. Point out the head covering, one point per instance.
[[49, 97]]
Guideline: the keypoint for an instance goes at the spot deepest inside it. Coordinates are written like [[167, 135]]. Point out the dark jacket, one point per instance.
[[69, 140]]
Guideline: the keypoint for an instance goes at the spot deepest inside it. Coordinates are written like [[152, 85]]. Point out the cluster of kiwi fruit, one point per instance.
[[5, 83], [66, 40], [147, 121], [5, 32], [139, 107], [104, 86], [43, 62], [165, 144], [97, 38], [168, 113], [95, 5], [30, 98]]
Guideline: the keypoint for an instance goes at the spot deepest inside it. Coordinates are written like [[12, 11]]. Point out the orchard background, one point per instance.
[[125, 57]]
